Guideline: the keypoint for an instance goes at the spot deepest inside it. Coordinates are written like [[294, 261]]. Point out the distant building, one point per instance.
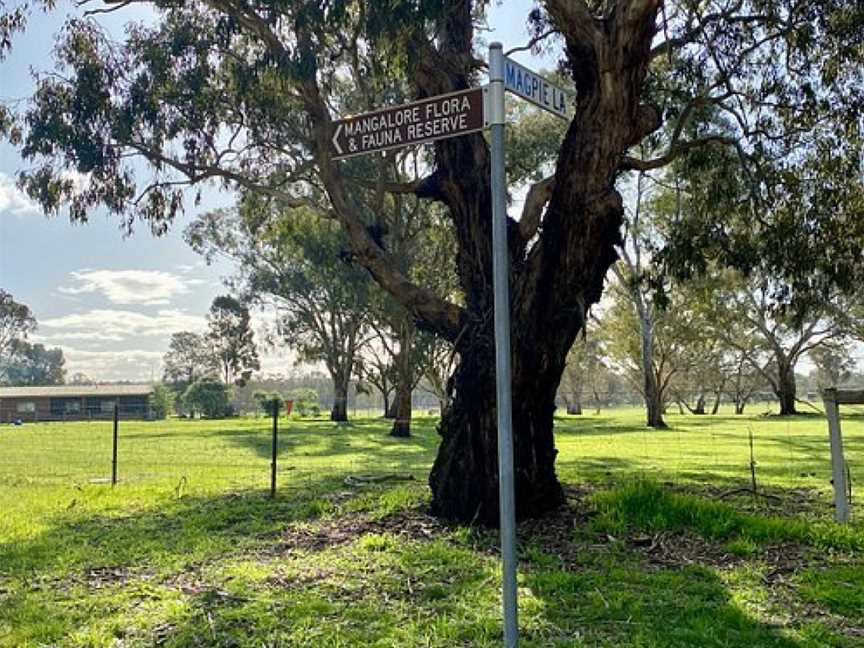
[[74, 402]]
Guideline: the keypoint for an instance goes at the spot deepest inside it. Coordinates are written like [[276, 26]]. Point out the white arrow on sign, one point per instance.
[[534, 88], [336, 139], [448, 115]]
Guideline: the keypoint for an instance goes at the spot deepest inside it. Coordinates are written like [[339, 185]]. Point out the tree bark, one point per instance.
[[699, 409], [464, 478], [388, 404], [402, 423], [787, 390], [339, 412], [718, 395], [653, 396], [654, 408]]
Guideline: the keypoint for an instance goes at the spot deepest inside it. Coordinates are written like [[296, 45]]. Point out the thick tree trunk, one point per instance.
[[699, 409], [787, 391], [654, 408], [739, 406], [339, 412], [464, 479], [402, 423], [390, 408], [554, 281], [403, 363]]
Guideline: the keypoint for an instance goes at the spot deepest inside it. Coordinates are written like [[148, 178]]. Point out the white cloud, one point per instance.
[[118, 325], [119, 344], [13, 200], [135, 364], [146, 287], [186, 268]]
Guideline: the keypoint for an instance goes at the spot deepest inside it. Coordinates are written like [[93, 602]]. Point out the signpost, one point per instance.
[[501, 287], [534, 88], [452, 115], [427, 120]]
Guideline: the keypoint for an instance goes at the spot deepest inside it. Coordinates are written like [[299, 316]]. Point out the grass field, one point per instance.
[[188, 550]]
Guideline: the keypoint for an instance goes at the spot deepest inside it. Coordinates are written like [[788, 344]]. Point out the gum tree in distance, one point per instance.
[[243, 93]]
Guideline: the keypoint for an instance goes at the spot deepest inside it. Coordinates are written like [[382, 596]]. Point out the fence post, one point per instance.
[[838, 463], [114, 448], [275, 448]]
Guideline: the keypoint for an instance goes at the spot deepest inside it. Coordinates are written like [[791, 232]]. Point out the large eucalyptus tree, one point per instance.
[[245, 92]]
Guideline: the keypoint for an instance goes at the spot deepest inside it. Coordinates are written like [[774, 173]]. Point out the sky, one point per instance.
[[112, 301]]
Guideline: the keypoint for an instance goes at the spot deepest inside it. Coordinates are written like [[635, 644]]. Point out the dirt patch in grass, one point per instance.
[[99, 577], [412, 523]]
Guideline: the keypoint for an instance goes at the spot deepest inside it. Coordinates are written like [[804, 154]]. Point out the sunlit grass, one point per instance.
[[189, 550]]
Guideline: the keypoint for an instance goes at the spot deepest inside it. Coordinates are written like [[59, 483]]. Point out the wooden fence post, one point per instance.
[[838, 462]]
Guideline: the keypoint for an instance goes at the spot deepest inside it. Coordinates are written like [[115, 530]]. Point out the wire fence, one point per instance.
[[209, 454], [725, 451]]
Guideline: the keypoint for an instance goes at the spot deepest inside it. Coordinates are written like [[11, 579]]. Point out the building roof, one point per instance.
[[73, 391]]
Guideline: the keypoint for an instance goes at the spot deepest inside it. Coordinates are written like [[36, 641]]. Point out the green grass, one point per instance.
[[646, 506], [188, 550]]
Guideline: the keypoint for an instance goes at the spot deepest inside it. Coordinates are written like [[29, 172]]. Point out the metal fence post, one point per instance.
[[275, 448], [501, 277], [114, 444]]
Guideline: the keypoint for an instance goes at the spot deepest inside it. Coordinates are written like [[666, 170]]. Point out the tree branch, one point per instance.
[[535, 202], [629, 163], [530, 45]]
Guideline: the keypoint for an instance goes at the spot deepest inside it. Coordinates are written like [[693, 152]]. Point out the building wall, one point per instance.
[[82, 408]]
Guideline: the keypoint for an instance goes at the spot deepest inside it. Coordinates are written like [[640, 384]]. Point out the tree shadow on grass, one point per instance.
[[384, 594], [618, 602], [364, 445], [602, 425], [168, 534]]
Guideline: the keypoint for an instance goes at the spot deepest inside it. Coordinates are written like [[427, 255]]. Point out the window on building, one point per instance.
[[107, 406], [64, 406], [27, 407]]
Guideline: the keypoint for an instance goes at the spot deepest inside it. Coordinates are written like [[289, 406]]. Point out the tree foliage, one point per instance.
[[33, 365], [269, 402], [188, 358], [773, 342], [298, 265], [209, 396], [16, 320], [231, 339], [161, 402]]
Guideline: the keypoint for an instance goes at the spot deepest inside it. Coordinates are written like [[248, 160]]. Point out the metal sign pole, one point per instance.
[[501, 276]]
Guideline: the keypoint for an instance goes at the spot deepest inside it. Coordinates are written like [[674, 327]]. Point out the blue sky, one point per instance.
[[111, 302]]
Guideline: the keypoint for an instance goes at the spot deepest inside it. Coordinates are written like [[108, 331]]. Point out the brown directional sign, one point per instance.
[[449, 115]]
